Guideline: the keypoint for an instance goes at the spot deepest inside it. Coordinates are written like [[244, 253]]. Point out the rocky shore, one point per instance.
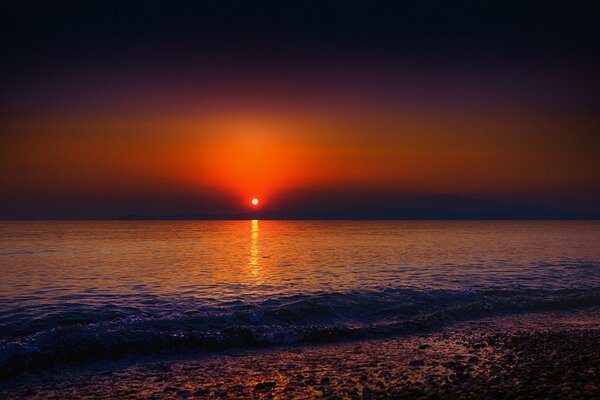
[[528, 356]]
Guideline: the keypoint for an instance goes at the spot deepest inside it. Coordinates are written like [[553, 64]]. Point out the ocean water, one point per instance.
[[77, 291]]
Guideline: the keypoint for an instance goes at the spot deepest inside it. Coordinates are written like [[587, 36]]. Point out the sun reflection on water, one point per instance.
[[254, 260]]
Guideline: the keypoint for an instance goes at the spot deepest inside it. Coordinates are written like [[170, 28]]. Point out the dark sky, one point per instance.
[[150, 107]]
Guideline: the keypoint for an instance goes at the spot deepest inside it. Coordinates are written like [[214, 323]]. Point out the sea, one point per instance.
[[80, 291]]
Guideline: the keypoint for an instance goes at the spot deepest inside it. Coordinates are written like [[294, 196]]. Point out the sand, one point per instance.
[[545, 355]]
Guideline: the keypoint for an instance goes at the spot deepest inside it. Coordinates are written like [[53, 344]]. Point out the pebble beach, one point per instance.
[[528, 356]]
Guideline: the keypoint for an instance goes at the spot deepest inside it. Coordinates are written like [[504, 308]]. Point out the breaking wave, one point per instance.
[[184, 325]]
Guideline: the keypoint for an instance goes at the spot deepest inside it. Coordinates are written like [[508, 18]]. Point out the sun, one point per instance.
[[254, 201]]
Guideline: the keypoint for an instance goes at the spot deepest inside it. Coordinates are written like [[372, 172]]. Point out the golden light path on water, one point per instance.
[[254, 261]]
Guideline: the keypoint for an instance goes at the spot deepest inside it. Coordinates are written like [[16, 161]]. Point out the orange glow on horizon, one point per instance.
[[232, 157], [260, 155]]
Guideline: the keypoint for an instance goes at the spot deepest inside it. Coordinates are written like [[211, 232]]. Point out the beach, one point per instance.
[[536, 355]]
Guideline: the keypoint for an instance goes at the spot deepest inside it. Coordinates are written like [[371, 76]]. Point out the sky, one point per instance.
[[112, 108]]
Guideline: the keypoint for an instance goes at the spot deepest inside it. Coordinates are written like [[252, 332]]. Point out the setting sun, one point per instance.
[[254, 202]]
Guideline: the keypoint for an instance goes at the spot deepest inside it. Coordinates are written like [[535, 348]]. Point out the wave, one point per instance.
[[189, 325]]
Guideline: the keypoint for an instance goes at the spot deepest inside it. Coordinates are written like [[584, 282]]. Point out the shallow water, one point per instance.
[[89, 289]]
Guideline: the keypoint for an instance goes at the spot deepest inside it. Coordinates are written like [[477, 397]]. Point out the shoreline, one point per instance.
[[552, 354]]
